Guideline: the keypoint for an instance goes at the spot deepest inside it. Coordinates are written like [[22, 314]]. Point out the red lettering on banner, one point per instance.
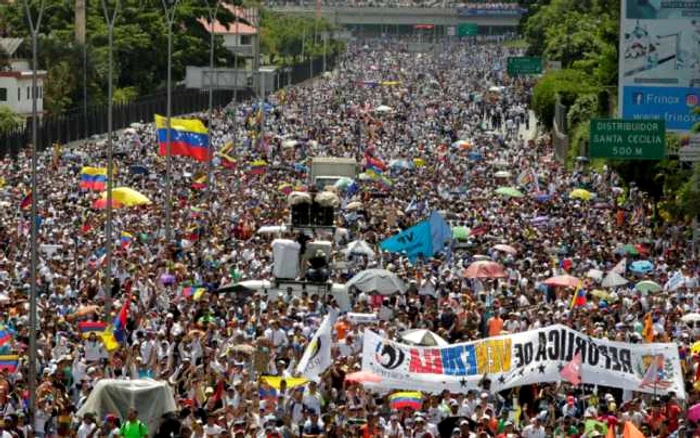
[[429, 362]]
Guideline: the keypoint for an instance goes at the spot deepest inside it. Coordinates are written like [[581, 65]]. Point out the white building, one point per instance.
[[16, 82], [239, 36]]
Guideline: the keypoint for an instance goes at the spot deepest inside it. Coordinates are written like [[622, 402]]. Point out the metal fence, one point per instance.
[[77, 124]]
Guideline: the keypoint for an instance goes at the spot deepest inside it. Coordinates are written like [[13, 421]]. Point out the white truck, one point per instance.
[[327, 170]]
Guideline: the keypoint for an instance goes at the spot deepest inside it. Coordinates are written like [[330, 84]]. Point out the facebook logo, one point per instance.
[[638, 98]]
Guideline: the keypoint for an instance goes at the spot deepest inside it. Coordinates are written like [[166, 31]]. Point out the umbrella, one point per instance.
[[505, 248], [355, 205], [475, 156], [543, 197], [641, 266], [138, 170], [501, 163], [285, 188], [582, 194], [462, 144], [343, 183], [101, 204], [485, 269], [359, 247], [363, 377], [599, 293], [401, 164], [613, 279], [563, 281], [127, 196], [627, 249], [648, 286], [694, 413], [691, 317], [377, 280], [502, 174], [167, 279], [460, 233], [595, 274], [423, 337], [695, 348], [511, 192], [289, 143], [540, 219], [383, 109]]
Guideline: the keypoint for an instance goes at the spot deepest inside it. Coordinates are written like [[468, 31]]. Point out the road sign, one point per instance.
[[691, 151], [524, 65], [451, 31], [618, 139], [467, 29]]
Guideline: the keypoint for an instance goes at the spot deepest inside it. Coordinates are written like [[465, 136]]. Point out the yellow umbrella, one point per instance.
[[128, 197], [603, 295], [582, 194], [695, 348], [419, 162]]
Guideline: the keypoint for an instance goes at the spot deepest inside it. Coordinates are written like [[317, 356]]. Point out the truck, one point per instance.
[[327, 170]]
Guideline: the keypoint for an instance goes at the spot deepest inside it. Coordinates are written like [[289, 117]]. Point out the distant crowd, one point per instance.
[[485, 4]]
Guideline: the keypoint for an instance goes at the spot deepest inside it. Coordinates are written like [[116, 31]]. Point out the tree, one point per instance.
[[9, 119]]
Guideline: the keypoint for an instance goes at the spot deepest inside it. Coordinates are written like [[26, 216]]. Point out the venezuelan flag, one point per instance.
[[375, 163], [87, 327], [200, 182], [227, 161], [406, 400], [26, 201], [126, 239], [193, 292], [93, 178], [188, 138], [579, 298], [258, 167], [9, 363], [119, 325]]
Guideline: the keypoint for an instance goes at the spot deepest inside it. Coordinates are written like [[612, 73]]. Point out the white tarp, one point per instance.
[[151, 398], [534, 356]]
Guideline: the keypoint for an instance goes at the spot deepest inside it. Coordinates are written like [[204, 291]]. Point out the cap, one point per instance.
[[570, 400]]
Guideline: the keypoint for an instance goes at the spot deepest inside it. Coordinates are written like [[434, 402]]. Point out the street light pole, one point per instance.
[[170, 7], [34, 26], [212, 20], [110, 18]]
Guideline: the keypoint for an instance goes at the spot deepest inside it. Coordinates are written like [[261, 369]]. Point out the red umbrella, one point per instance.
[[363, 377], [101, 204], [563, 281], [485, 269]]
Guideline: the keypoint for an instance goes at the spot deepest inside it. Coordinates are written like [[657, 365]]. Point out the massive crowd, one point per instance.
[[455, 119], [472, 5]]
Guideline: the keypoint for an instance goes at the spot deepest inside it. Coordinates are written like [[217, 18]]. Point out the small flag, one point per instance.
[[87, 327], [126, 239], [406, 400], [227, 161], [193, 292], [26, 201], [109, 341], [258, 167], [200, 182], [5, 336], [9, 363], [572, 370], [648, 330], [579, 298], [119, 329], [631, 431], [654, 372]]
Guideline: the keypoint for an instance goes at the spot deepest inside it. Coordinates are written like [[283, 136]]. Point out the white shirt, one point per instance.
[[212, 430], [531, 431], [85, 430]]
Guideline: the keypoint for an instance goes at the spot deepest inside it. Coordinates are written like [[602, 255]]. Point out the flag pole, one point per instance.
[[110, 19], [212, 22], [34, 27]]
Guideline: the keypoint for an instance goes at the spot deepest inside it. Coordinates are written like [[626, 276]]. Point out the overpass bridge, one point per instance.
[[402, 19]]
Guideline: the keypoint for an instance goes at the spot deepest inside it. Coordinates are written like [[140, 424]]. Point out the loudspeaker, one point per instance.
[[322, 216], [301, 215]]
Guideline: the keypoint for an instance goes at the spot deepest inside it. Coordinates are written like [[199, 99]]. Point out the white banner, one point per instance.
[[362, 318], [534, 356], [317, 356]]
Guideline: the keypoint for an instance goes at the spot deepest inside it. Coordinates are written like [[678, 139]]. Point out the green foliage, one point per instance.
[[125, 95], [9, 119], [285, 37], [568, 84]]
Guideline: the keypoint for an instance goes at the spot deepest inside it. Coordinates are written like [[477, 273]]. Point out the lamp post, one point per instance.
[[110, 18], [212, 20], [170, 7], [34, 27]]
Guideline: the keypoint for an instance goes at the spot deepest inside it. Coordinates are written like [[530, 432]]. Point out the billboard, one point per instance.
[[659, 71]]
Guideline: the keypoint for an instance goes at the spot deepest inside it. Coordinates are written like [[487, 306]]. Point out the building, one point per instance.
[[16, 81], [240, 36]]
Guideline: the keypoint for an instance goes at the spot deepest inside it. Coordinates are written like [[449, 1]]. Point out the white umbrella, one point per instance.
[[502, 174], [271, 229], [613, 279], [377, 280], [595, 274], [289, 143], [423, 337], [359, 247], [383, 109], [691, 317]]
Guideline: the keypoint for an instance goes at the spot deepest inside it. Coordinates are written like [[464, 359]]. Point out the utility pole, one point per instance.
[[212, 22]]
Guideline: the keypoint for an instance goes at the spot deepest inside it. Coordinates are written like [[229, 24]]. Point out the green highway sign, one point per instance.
[[524, 65], [618, 139], [467, 29]]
